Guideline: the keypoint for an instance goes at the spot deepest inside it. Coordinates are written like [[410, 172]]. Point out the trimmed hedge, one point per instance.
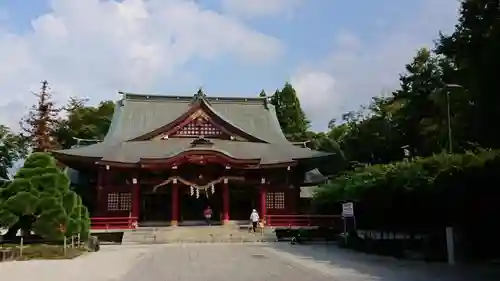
[[424, 196], [426, 192]]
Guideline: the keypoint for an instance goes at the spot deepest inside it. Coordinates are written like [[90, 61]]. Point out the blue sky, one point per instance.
[[336, 53]]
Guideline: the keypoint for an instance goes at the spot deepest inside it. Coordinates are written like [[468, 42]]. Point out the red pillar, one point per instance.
[[136, 197], [175, 204], [225, 203], [263, 205], [100, 204]]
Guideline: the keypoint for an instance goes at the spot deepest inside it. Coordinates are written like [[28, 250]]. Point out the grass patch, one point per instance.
[[45, 252]]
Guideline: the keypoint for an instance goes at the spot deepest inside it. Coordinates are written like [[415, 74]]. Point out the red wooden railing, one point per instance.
[[302, 220], [113, 223]]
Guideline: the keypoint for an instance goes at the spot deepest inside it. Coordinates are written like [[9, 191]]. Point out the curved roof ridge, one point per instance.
[[275, 122], [187, 98], [115, 120]]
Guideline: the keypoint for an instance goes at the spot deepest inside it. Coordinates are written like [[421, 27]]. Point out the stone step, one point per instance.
[[203, 234]]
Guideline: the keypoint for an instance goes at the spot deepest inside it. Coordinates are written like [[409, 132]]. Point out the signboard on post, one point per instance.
[[347, 210]]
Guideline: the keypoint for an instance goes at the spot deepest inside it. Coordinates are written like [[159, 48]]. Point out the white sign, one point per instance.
[[348, 209], [19, 232]]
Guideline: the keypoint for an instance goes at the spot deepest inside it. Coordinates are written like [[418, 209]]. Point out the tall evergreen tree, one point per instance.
[[474, 48], [291, 117], [262, 94], [40, 123], [419, 106]]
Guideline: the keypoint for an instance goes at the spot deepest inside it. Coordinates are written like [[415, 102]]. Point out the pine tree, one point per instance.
[[262, 94], [40, 123], [291, 117], [39, 198]]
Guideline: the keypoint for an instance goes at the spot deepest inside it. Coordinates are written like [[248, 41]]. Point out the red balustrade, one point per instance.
[[302, 220], [113, 223]]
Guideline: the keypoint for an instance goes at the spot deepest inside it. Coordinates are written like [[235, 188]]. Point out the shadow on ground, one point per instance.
[[349, 265]]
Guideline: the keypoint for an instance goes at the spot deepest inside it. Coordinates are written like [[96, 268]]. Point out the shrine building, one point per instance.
[[166, 158]]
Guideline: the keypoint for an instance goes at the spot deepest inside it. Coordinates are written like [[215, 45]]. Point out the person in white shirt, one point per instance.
[[254, 218]]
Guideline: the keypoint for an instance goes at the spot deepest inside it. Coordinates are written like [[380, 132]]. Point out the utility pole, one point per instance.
[[447, 89]]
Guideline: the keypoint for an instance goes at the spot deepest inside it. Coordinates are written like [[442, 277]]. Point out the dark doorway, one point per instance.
[[156, 207], [192, 208], [242, 199]]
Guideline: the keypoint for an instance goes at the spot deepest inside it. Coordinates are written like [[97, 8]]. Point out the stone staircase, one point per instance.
[[195, 234]]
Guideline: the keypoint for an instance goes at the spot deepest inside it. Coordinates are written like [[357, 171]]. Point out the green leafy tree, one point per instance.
[[414, 116], [292, 119], [84, 122], [39, 199], [12, 149], [367, 135], [419, 106]]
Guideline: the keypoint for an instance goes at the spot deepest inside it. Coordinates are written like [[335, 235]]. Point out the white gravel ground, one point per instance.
[[109, 264], [235, 262]]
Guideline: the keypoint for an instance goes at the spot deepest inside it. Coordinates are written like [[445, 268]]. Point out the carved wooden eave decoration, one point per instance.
[[200, 157], [201, 142]]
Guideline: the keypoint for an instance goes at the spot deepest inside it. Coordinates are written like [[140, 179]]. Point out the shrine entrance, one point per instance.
[[243, 199], [156, 207], [192, 206]]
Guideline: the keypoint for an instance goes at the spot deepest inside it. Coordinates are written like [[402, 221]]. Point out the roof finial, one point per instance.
[[199, 95], [200, 92]]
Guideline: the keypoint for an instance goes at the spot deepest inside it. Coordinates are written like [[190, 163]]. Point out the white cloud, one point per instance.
[[315, 90], [257, 8], [360, 69], [94, 48]]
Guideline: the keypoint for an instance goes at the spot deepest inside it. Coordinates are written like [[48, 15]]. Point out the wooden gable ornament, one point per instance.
[[199, 124], [201, 141]]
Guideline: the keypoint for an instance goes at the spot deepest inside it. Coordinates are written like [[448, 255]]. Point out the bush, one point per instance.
[[425, 195], [426, 192]]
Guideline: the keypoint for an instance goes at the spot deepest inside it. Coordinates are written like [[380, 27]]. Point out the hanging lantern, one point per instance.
[[197, 193], [191, 191], [213, 189]]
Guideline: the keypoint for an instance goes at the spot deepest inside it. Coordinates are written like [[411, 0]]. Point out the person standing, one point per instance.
[[208, 214], [254, 218]]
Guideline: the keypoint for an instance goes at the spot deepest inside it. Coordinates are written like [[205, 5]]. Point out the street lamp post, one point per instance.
[[447, 88]]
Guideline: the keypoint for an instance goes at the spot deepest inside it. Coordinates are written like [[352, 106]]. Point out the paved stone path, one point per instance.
[[234, 262]]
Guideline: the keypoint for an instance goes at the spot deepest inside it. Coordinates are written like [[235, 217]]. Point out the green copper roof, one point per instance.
[[133, 151], [136, 115]]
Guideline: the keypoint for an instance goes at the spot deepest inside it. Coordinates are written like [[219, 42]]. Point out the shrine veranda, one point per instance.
[[166, 158]]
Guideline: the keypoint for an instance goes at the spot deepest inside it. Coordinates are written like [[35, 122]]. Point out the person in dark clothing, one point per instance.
[[208, 215]]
